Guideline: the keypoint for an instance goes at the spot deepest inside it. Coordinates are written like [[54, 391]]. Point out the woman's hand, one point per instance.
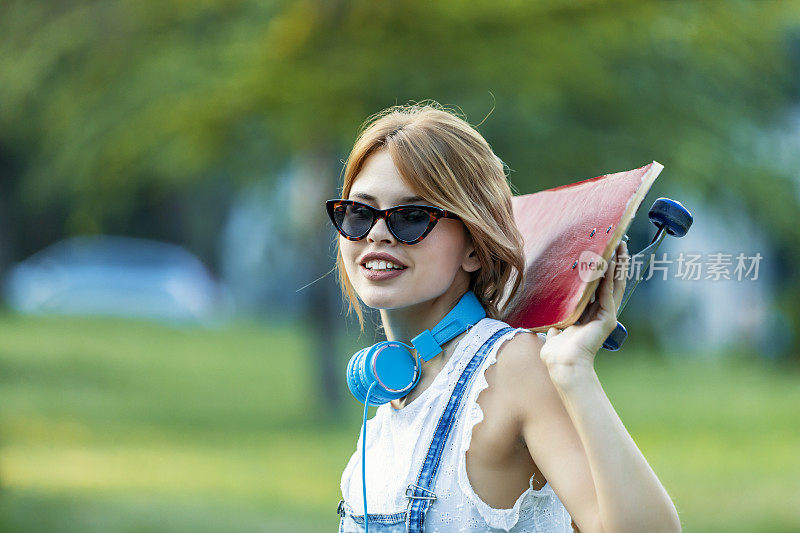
[[573, 349]]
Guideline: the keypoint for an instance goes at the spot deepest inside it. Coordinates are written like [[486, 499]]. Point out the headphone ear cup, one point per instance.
[[395, 365], [365, 376], [355, 376]]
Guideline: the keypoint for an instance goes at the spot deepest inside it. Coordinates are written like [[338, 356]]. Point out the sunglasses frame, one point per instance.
[[435, 213]]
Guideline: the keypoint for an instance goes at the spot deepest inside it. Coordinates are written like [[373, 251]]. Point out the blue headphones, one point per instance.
[[388, 370]]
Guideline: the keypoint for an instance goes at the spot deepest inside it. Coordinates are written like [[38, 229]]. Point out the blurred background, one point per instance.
[[172, 338]]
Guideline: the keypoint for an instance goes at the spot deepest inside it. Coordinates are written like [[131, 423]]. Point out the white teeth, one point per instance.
[[377, 264]]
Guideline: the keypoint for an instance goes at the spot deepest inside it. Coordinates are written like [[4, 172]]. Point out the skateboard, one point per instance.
[[570, 233]]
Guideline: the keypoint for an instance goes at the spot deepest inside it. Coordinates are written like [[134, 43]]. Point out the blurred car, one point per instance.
[[115, 276]]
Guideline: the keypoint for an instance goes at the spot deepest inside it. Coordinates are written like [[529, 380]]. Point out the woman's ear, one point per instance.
[[471, 262]]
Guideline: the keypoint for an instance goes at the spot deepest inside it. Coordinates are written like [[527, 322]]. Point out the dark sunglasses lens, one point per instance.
[[409, 224], [354, 220]]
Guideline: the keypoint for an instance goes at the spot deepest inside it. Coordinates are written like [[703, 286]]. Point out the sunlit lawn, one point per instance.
[[114, 426]]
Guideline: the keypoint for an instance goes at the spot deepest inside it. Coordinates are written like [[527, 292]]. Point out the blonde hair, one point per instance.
[[447, 162]]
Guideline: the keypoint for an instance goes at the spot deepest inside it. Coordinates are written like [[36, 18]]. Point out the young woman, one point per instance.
[[534, 443]]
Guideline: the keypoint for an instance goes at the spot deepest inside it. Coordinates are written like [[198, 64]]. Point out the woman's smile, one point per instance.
[[380, 275]]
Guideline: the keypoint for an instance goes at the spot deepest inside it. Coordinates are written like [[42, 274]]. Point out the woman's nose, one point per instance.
[[380, 232]]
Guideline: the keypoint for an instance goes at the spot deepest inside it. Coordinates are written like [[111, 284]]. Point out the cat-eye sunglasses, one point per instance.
[[408, 223]]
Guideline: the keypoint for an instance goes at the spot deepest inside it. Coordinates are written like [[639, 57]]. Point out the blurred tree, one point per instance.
[[118, 114]]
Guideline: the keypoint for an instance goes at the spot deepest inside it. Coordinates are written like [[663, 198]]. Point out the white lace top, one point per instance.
[[397, 442]]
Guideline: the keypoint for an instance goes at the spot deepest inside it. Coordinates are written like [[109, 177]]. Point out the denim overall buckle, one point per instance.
[[411, 496]]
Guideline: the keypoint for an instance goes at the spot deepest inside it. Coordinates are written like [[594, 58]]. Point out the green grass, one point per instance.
[[723, 435], [107, 425]]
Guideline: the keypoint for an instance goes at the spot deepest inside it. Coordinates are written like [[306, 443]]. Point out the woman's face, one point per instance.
[[440, 262]]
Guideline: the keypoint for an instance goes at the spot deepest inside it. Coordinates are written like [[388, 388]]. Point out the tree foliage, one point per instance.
[[109, 106]]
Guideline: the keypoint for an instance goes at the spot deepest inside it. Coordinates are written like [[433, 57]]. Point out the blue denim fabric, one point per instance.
[[412, 519], [379, 523]]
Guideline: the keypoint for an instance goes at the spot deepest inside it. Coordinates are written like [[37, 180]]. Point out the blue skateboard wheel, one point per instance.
[[671, 214], [617, 337]]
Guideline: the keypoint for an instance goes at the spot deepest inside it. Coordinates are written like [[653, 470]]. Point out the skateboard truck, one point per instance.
[[669, 217]]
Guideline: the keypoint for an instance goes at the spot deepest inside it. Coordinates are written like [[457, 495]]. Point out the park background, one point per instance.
[[221, 126]]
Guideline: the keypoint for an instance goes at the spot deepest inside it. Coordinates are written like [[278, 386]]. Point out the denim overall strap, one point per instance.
[[421, 494]]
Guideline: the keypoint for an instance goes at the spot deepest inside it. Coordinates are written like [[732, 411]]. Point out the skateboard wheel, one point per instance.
[[617, 337], [670, 214]]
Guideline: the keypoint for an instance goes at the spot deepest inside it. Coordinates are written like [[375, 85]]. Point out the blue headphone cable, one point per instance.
[[363, 458]]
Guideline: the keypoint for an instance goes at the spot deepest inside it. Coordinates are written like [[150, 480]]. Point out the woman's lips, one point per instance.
[[380, 275]]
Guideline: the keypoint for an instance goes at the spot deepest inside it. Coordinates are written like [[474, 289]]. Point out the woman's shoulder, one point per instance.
[[518, 351], [526, 334], [498, 323], [520, 347], [518, 364]]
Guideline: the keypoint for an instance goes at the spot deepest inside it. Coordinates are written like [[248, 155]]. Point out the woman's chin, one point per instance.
[[383, 298], [379, 304]]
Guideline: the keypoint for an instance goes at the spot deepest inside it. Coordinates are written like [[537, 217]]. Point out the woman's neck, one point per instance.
[[405, 323]]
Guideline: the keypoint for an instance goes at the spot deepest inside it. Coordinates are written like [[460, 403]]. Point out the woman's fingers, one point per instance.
[[611, 288]]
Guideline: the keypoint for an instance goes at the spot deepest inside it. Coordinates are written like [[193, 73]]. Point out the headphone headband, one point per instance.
[[467, 312]]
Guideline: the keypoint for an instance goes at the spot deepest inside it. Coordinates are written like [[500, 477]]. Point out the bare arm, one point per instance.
[[572, 431], [629, 495]]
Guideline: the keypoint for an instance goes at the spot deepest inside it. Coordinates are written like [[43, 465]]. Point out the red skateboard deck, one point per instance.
[[570, 234]]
